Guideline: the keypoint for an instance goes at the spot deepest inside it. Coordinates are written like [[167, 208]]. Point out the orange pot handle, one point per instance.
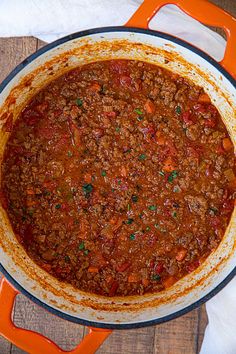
[[201, 10], [35, 343]]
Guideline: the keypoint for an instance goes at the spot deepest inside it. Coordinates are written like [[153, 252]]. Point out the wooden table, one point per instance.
[[181, 336]]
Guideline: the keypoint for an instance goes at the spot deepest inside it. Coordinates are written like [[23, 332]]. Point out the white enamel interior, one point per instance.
[[190, 289]]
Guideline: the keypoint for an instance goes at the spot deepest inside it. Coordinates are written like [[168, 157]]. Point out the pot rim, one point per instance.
[[26, 62]]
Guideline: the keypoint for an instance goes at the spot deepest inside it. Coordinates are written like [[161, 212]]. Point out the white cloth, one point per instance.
[[52, 19]]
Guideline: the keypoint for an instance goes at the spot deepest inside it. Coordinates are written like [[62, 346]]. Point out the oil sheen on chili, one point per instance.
[[119, 178]]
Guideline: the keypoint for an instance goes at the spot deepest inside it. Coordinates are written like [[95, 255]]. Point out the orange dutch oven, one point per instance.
[[133, 41]]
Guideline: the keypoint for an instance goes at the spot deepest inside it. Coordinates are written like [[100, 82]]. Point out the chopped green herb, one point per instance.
[[152, 207], [172, 176], [132, 237], [70, 154], [113, 190], [174, 214], [138, 111], [142, 157], [178, 110], [161, 173], [134, 198], [86, 252], [58, 206], [87, 189], [148, 228], [127, 151], [119, 182], [117, 129], [156, 277], [157, 226], [79, 102], [128, 207], [46, 193], [103, 173], [67, 258], [140, 118], [81, 245], [213, 211], [176, 189], [129, 221]]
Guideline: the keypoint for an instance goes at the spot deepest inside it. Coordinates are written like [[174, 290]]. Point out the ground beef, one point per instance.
[[119, 178]]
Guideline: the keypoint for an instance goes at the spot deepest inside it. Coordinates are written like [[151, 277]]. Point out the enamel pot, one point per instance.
[[133, 41]]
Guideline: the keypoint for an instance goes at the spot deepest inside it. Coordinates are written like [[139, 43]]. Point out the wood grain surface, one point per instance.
[[180, 336]]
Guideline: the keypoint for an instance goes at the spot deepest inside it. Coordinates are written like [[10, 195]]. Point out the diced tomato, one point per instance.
[[171, 148], [63, 272], [220, 150], [212, 109], [88, 177], [92, 269], [169, 282], [50, 185], [123, 171], [111, 114], [169, 165], [232, 184], [227, 206], [145, 282], [181, 255], [46, 267], [188, 118], [160, 139], [119, 66], [65, 206], [158, 268], [95, 86], [204, 98], [125, 80], [152, 263], [116, 222], [199, 108], [113, 288], [227, 145], [149, 106], [122, 267], [210, 122], [133, 278], [192, 266]]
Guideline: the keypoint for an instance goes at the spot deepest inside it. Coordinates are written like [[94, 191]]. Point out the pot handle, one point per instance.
[[35, 343], [201, 10]]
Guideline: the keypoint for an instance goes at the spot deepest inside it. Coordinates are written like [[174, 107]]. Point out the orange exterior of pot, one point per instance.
[[36, 343], [33, 342], [201, 10]]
